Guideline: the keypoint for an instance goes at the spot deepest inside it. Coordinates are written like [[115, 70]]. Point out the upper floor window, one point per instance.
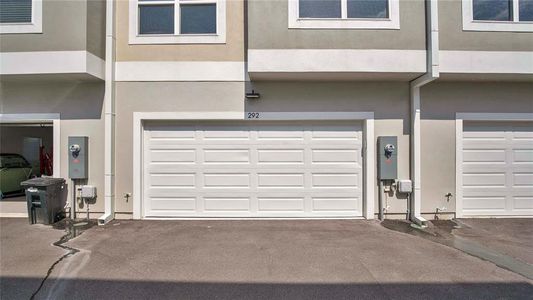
[[498, 15], [20, 16], [177, 21], [344, 14]]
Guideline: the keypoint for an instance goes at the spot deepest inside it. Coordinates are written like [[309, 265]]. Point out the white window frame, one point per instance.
[[35, 26], [392, 22], [469, 24], [216, 38]]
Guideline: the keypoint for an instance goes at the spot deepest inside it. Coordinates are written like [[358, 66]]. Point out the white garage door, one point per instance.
[[252, 170], [498, 169]]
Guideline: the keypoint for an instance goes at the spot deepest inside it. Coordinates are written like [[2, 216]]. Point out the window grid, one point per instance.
[[344, 12], [515, 14], [177, 16]]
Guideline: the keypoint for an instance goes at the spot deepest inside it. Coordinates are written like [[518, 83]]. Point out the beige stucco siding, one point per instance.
[[80, 106], [390, 101], [452, 36], [162, 97], [268, 29], [232, 50], [440, 103]]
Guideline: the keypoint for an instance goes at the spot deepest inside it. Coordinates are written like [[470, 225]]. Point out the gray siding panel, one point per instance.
[[268, 29], [452, 36]]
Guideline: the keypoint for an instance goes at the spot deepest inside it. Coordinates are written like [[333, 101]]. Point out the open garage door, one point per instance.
[[252, 169]]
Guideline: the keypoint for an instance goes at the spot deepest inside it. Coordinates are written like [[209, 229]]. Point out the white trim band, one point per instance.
[[51, 62], [337, 60], [487, 62], [179, 71]]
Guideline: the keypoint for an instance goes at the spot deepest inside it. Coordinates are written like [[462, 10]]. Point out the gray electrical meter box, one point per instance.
[[78, 156], [387, 157]]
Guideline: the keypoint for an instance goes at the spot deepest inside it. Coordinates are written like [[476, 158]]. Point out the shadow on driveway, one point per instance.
[[109, 289]]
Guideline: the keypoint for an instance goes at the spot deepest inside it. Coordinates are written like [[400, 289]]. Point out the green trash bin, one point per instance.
[[45, 198]]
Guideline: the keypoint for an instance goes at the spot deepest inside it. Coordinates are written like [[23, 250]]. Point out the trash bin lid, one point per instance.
[[42, 181]]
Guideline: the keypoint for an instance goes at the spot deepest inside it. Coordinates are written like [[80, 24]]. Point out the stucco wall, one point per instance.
[[232, 50], [96, 18], [162, 97], [440, 102], [452, 36], [80, 106], [390, 101], [268, 29], [64, 29]]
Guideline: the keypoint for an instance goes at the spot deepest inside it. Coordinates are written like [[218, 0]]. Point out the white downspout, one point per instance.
[[432, 32], [109, 116]]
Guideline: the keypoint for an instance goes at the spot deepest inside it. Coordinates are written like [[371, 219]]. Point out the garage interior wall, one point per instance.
[[440, 102], [12, 137]]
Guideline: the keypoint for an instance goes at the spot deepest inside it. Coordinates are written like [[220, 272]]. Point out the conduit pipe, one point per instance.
[[109, 116], [432, 73]]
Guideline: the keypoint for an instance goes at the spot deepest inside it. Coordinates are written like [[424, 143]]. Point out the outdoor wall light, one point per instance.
[[253, 95]]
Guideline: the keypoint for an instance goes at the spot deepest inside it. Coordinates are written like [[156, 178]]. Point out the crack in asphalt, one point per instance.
[[71, 232]]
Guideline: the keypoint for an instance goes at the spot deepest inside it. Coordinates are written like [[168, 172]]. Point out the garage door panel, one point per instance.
[[173, 156], [253, 169], [226, 204], [336, 203], [280, 156], [484, 155], [484, 179], [523, 156], [497, 169], [523, 180], [178, 203], [523, 203], [281, 180], [280, 204], [241, 156], [226, 180], [173, 180]]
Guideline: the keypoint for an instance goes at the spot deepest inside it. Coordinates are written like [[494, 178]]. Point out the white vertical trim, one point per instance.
[[368, 169], [137, 164], [458, 168], [344, 9], [57, 148], [516, 11], [109, 117]]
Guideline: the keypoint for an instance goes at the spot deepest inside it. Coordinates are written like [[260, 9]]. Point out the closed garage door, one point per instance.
[[498, 169], [252, 169]]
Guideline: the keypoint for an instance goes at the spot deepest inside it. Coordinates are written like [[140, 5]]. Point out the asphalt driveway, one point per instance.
[[244, 260]]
